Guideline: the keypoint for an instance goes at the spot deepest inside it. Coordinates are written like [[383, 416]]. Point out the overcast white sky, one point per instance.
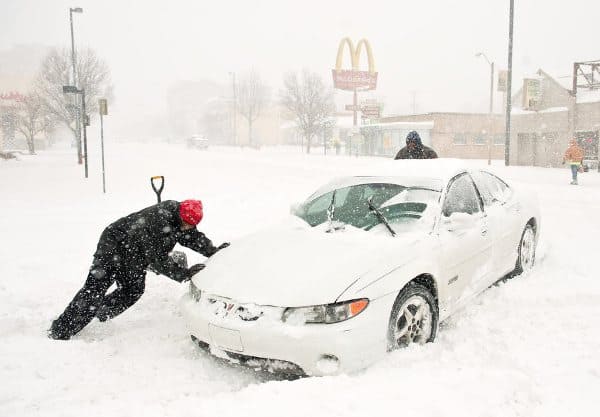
[[424, 46]]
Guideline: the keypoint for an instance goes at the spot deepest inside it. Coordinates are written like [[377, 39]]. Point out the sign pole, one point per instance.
[[102, 146], [354, 104], [355, 119], [352, 80], [85, 124], [103, 111]]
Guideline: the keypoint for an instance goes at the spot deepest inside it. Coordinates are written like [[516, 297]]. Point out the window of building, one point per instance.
[[499, 140], [460, 139], [480, 139]]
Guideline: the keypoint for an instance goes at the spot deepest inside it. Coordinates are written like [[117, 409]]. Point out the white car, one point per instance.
[[366, 265], [197, 142]]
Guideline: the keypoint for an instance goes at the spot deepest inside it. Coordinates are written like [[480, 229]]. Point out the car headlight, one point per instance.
[[195, 291], [326, 313]]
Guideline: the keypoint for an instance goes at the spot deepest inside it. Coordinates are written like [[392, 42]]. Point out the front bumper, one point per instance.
[[318, 349]]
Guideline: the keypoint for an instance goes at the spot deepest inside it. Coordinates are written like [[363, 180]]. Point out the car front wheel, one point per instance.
[[414, 317], [526, 256]]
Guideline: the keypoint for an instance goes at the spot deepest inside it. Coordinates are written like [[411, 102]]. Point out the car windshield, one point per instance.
[[403, 207]]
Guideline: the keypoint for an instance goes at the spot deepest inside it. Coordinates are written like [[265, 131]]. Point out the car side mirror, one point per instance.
[[459, 221]]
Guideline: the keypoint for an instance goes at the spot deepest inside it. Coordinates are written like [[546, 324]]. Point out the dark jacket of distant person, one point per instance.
[[415, 149]]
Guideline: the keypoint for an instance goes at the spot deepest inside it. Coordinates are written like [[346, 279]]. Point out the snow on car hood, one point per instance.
[[295, 265]]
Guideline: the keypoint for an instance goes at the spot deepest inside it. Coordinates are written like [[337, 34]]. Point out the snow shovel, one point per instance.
[[176, 256], [157, 190]]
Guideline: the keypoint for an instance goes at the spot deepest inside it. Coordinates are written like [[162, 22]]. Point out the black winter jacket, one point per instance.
[[420, 152], [145, 238]]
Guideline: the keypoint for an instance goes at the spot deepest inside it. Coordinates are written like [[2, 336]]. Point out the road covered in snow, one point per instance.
[[527, 347]]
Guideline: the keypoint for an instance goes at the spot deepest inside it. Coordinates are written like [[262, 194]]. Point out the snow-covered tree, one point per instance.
[[252, 96], [310, 102], [31, 118], [93, 76]]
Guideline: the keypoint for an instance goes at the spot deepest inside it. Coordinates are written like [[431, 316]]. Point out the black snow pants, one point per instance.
[[91, 300]]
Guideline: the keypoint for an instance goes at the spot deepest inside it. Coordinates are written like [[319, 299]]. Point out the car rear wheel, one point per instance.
[[414, 317], [526, 256]]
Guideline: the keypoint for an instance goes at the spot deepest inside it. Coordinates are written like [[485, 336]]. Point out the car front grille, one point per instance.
[[289, 370]]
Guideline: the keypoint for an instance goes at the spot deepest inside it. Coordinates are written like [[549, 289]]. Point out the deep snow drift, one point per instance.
[[528, 347]]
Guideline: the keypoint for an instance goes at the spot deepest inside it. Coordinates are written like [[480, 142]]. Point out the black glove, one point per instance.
[[223, 245], [194, 269]]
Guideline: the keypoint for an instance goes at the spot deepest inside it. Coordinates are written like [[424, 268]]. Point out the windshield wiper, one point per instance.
[[334, 225], [379, 215], [331, 213]]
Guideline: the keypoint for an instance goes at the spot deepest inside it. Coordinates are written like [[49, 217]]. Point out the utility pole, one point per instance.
[[77, 111], [509, 85]]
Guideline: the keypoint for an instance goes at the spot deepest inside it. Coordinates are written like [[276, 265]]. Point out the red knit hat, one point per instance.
[[190, 211]]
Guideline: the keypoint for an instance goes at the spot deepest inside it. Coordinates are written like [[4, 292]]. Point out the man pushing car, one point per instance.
[[126, 249]]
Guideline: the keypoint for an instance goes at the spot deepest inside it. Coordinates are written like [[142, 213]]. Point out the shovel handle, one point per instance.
[[158, 190]]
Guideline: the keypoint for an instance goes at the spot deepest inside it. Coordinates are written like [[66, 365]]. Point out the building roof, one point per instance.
[[584, 95], [400, 125], [520, 110]]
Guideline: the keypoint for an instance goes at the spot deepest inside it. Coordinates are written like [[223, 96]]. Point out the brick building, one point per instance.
[[541, 124]]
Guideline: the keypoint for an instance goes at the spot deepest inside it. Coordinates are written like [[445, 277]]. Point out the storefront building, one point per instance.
[[542, 124]]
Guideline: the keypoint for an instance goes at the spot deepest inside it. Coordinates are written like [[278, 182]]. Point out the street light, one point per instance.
[[477, 55], [78, 126], [71, 89]]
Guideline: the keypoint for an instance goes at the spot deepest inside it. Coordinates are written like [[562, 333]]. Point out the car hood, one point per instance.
[[295, 265]]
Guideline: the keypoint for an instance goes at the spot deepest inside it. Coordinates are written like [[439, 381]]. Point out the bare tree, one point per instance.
[[93, 76], [252, 97], [309, 101], [31, 118]]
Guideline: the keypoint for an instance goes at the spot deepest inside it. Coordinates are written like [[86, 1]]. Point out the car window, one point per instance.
[[491, 188], [400, 203], [498, 188], [461, 197], [485, 188]]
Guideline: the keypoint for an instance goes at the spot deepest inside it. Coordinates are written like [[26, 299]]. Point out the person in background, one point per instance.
[[415, 149], [574, 158], [126, 249]]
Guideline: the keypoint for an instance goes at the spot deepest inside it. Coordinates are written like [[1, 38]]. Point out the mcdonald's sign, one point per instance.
[[354, 79]]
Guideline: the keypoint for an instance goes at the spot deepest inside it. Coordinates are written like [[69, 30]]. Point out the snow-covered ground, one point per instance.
[[528, 347]]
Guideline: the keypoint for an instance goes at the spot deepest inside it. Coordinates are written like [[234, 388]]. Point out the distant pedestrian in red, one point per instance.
[[574, 158]]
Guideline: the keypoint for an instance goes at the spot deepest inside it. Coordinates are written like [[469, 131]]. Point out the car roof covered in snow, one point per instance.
[[426, 173]]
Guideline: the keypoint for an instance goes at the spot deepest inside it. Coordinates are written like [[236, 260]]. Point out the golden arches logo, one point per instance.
[[354, 79], [355, 54]]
